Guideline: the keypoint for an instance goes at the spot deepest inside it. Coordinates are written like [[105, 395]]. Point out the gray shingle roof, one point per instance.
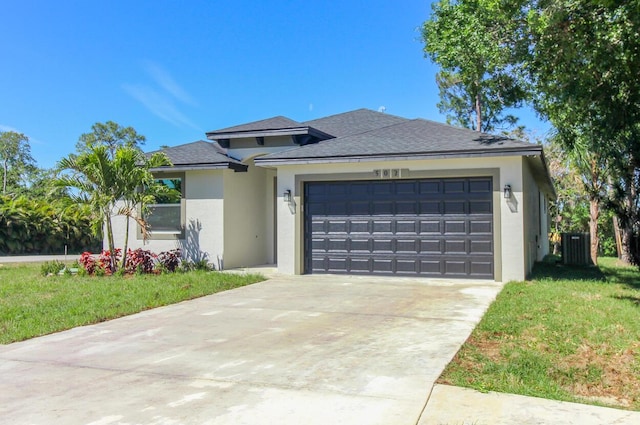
[[354, 122], [200, 154], [275, 123], [405, 138]]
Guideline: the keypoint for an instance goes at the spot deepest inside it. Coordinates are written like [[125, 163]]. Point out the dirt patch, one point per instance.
[[603, 375]]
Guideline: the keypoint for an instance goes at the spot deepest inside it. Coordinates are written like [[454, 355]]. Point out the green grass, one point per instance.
[[32, 305], [568, 334]]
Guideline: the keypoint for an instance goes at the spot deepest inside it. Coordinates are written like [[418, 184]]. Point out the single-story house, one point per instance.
[[360, 192]]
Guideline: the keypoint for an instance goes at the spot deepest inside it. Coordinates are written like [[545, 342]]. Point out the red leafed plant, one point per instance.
[[106, 262], [88, 262], [140, 261], [170, 260]]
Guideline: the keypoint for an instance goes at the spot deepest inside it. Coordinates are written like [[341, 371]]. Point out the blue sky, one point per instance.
[[176, 69]]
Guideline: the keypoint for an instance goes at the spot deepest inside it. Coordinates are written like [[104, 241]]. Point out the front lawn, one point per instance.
[[569, 334], [32, 305]]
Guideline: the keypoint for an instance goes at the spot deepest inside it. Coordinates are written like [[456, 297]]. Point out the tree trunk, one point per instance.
[[110, 242], [627, 224], [594, 213], [617, 236], [4, 178], [478, 112], [126, 242]]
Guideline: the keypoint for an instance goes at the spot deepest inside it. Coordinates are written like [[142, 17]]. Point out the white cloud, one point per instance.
[[31, 139], [159, 104], [163, 97], [166, 81]]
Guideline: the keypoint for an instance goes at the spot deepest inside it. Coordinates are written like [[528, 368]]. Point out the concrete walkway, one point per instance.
[[37, 258], [291, 350], [462, 406]]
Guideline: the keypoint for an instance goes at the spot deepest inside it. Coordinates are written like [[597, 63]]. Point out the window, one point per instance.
[[166, 215]]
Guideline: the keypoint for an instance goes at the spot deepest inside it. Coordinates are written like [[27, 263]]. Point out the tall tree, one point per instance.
[[584, 61], [113, 178], [15, 155], [110, 134], [475, 44]]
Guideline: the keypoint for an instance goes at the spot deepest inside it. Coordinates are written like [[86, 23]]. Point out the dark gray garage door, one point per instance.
[[427, 227]]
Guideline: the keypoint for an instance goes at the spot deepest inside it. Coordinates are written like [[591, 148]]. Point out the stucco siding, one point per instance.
[[510, 260], [203, 221], [246, 207]]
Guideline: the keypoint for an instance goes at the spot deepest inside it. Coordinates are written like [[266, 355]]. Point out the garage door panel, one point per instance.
[[431, 246], [482, 269], [360, 207], [430, 227], [430, 207], [383, 246], [360, 265], [407, 207], [382, 226], [337, 245], [359, 246], [455, 227], [382, 207], [480, 227], [480, 247], [480, 207], [455, 247], [431, 268], [405, 227], [382, 265], [455, 267], [358, 226], [404, 246], [407, 266], [427, 227], [454, 206]]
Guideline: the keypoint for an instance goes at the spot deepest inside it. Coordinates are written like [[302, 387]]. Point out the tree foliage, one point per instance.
[[474, 44], [40, 226], [584, 62], [111, 175], [111, 135], [16, 160]]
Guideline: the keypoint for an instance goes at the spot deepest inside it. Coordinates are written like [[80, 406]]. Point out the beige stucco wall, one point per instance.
[[203, 206], [509, 241], [248, 237], [536, 219]]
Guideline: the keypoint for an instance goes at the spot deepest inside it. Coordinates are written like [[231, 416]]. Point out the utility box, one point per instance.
[[576, 249]]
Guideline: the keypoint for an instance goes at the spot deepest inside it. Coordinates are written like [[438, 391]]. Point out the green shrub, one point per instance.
[[51, 267]]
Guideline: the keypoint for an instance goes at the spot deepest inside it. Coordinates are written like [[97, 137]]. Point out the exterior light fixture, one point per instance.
[[507, 191], [287, 196]]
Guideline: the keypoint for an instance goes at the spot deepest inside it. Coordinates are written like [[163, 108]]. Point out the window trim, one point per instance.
[[176, 234]]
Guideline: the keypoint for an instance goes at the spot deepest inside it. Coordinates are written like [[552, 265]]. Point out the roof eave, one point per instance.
[[273, 132], [209, 166], [520, 151]]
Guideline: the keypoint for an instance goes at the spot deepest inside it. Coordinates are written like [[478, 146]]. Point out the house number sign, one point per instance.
[[388, 173]]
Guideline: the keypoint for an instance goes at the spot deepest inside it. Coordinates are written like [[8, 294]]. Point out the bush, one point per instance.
[[170, 260], [51, 267], [140, 261], [105, 260], [88, 263]]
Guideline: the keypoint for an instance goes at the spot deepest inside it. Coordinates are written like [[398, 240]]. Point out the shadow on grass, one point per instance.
[[607, 271], [629, 276], [556, 271], [633, 300]]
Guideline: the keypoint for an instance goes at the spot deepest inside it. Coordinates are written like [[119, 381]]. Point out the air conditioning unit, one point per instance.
[[576, 249]]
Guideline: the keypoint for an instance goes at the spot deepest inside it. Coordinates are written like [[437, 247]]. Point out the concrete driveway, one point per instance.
[[291, 350]]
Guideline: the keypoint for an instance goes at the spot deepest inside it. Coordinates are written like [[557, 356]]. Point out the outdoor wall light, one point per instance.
[[287, 196], [507, 191]]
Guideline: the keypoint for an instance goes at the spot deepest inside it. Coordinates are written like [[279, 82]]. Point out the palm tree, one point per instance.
[[118, 185], [138, 187], [94, 181]]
